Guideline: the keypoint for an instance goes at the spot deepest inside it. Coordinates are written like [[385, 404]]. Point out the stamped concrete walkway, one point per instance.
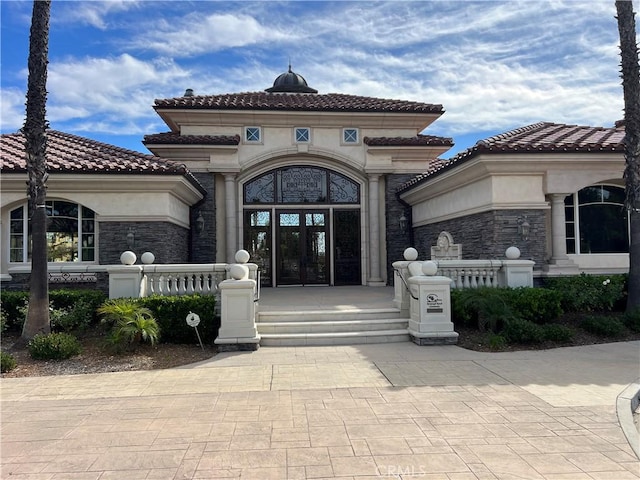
[[358, 412]]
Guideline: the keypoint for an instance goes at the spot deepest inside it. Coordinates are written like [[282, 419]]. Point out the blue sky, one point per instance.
[[493, 65]]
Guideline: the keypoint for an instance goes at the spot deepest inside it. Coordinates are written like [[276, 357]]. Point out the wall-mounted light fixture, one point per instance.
[[524, 227], [199, 223], [131, 238], [403, 223]]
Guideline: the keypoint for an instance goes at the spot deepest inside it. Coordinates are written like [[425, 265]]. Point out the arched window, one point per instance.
[[302, 185], [596, 220], [71, 233]]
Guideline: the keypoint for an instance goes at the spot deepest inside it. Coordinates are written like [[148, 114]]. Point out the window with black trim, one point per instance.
[[302, 135], [597, 221], [252, 134], [350, 135], [71, 233]]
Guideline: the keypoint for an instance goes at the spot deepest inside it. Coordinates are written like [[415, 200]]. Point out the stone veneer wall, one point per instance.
[[167, 241], [397, 241], [203, 244], [487, 235], [20, 282]]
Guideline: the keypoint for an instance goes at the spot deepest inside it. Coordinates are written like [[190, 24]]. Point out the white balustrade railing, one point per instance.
[[186, 279], [471, 273], [182, 279]]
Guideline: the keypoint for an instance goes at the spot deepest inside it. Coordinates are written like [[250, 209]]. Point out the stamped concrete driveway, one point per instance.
[[371, 411]]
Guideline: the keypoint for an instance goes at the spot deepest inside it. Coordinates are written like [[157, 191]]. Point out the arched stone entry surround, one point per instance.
[[305, 223]]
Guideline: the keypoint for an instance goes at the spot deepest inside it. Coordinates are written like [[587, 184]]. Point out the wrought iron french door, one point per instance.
[[302, 247]]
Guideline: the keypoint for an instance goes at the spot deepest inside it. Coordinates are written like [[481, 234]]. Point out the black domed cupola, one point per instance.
[[290, 82]]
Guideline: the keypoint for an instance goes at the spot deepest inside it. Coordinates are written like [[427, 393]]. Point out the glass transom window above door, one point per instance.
[[299, 184]]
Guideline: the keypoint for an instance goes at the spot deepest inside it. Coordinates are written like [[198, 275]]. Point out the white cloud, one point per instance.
[[93, 13], [493, 65], [121, 87], [12, 109], [196, 34]]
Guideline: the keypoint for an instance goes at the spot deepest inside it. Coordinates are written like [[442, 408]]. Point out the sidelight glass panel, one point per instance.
[[347, 265], [257, 241]]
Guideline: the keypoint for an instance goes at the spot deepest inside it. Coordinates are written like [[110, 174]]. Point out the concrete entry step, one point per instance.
[[334, 338], [327, 315], [332, 327]]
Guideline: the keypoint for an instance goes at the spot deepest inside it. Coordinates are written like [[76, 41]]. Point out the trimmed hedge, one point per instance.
[[590, 293], [632, 320], [603, 326], [54, 346], [7, 362], [171, 313], [13, 303], [535, 304], [523, 331], [498, 306]]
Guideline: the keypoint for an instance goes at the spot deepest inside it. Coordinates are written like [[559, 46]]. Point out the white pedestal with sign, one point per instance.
[[430, 308], [237, 323]]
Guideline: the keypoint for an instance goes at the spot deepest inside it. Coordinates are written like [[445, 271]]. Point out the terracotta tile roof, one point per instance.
[[541, 137], [172, 138], [330, 102], [67, 153], [419, 140]]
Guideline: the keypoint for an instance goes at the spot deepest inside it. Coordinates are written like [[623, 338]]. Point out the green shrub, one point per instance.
[[65, 300], [131, 322], [538, 305], [487, 307], [171, 312], [133, 331], [54, 346], [12, 303], [76, 318], [460, 313], [603, 326], [69, 299], [497, 342], [3, 321], [632, 320], [590, 293], [7, 362], [557, 333], [523, 331]]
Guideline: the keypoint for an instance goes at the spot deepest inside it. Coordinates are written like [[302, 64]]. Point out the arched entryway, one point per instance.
[[302, 226]]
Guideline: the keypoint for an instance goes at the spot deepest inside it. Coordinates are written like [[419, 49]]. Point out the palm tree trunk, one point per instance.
[[36, 143], [631, 90]]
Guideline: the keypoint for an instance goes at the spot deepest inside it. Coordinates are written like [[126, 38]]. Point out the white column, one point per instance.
[[231, 219], [560, 263], [558, 228], [374, 229]]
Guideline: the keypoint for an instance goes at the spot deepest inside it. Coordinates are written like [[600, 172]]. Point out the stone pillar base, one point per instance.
[[434, 338], [237, 344], [561, 267]]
